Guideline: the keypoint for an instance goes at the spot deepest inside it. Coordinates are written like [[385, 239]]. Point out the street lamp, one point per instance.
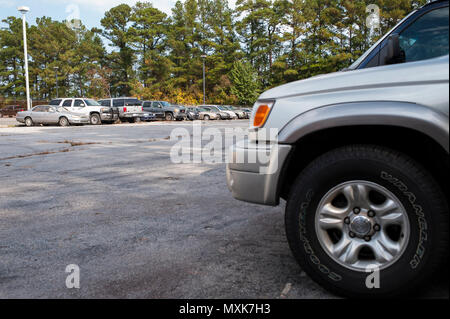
[[56, 79], [24, 10], [204, 83]]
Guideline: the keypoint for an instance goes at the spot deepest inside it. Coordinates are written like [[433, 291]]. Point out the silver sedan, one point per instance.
[[46, 114]]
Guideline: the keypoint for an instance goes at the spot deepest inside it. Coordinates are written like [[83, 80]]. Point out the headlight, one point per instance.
[[176, 111], [104, 110], [261, 113]]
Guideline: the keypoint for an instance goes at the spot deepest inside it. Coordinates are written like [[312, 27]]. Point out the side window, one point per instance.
[[119, 102], [67, 103], [157, 104], [38, 109], [79, 103], [146, 104], [427, 37]]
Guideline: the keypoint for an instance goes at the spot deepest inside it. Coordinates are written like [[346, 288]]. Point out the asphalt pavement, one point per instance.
[[110, 200]]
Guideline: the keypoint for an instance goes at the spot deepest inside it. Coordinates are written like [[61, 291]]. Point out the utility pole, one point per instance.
[[24, 10], [204, 82], [56, 79]]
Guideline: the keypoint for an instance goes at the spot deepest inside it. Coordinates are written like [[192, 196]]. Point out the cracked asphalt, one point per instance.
[[109, 199]]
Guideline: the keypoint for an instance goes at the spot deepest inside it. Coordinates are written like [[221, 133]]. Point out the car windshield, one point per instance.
[[223, 108], [90, 102], [165, 104]]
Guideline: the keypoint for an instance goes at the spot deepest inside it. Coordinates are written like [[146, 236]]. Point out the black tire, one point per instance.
[[169, 117], [420, 195], [206, 118], [63, 121], [136, 120], [29, 122], [95, 119]]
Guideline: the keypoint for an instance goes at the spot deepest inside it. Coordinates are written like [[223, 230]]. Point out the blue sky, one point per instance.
[[89, 11]]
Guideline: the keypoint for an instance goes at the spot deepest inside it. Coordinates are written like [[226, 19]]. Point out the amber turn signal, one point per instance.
[[261, 115]]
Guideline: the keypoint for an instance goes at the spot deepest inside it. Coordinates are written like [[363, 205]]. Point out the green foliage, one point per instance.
[[258, 45], [245, 83]]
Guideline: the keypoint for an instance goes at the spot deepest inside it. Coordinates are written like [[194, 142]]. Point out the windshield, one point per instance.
[[165, 103], [90, 102], [61, 109], [223, 108]]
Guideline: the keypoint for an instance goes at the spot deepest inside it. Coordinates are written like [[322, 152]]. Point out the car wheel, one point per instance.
[[359, 209], [136, 120], [29, 122], [95, 119], [206, 118], [63, 121], [169, 117]]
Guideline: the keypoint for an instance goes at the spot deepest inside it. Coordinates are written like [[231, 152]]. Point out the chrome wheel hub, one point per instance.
[[361, 224]]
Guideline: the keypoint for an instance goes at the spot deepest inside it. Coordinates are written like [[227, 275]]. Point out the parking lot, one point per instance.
[[108, 199]]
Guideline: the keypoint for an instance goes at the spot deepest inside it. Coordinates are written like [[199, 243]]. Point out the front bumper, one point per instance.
[[254, 170], [180, 116], [109, 116]]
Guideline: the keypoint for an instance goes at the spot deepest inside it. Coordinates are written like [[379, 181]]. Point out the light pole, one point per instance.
[[56, 79], [24, 10], [204, 83]]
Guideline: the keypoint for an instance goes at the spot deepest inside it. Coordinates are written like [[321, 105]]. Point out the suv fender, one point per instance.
[[408, 115]]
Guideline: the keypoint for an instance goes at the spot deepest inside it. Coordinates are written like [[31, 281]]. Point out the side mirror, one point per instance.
[[394, 52]]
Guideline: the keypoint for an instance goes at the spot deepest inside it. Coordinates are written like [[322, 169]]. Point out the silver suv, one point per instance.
[[361, 157]]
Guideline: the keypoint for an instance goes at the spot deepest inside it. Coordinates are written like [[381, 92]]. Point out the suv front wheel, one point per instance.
[[367, 221], [95, 119]]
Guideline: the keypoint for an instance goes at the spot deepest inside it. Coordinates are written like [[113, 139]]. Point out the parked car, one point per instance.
[[97, 113], [48, 114], [248, 113], [239, 112], [362, 159], [192, 114], [10, 110], [206, 115], [214, 109], [171, 112], [225, 109], [130, 109]]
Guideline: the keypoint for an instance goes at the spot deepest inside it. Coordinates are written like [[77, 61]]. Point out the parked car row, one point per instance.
[[66, 111]]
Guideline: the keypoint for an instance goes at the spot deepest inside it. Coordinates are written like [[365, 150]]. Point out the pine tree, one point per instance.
[[246, 86]]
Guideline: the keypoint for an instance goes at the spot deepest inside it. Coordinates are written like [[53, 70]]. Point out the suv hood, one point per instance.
[[389, 76]]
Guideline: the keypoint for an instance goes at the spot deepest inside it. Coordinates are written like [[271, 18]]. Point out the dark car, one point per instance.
[[192, 113], [10, 110]]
